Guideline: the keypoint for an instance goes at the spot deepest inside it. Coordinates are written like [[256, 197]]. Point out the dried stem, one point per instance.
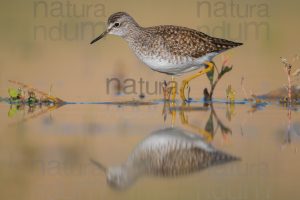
[[288, 70], [288, 138], [46, 96], [243, 88]]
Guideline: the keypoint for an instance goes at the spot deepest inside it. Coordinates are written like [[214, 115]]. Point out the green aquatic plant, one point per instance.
[[230, 94], [15, 95], [12, 111], [214, 80], [32, 98], [230, 111], [213, 124], [38, 102]]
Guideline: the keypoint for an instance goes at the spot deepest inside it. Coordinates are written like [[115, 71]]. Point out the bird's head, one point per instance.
[[119, 24], [120, 177]]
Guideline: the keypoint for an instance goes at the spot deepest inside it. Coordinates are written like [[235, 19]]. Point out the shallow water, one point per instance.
[[71, 153], [104, 151]]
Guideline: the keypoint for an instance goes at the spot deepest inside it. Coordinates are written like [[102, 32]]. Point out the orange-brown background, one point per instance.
[[78, 71], [47, 158]]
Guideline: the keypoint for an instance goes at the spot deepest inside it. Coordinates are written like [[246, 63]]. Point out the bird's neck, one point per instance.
[[134, 34]]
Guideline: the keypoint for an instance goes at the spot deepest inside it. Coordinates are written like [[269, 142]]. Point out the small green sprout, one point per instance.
[[15, 93], [32, 98], [230, 94]]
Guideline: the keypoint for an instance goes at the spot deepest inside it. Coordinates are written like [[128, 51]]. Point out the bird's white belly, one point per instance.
[[176, 66], [163, 65], [170, 141]]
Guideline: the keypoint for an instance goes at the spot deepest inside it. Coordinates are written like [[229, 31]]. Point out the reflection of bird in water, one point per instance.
[[167, 152]]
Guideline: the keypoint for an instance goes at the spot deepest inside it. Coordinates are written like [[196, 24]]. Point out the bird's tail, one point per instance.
[[223, 44], [220, 157]]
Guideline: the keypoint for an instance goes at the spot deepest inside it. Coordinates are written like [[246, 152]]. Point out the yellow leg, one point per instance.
[[174, 88], [170, 92], [166, 92], [169, 108], [185, 82], [184, 120], [173, 92], [173, 114]]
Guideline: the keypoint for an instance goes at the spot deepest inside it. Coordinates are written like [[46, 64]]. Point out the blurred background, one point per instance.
[[47, 42]]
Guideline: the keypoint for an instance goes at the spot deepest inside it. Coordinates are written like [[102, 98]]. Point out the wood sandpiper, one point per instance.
[[168, 49], [168, 152]]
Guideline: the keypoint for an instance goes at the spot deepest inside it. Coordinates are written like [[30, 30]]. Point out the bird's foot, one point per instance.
[[173, 92], [209, 67], [166, 91], [184, 85]]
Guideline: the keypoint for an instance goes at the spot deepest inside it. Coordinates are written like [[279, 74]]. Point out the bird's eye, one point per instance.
[[117, 24]]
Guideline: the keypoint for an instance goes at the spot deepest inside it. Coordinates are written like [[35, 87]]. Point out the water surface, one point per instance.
[[81, 151]]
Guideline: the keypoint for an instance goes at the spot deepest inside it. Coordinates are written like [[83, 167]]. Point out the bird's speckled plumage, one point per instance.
[[167, 152], [173, 152], [168, 49]]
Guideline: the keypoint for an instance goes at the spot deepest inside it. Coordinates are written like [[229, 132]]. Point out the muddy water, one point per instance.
[[134, 152]]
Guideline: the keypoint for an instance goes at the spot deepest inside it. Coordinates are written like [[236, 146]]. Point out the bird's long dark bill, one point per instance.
[[99, 37], [99, 165]]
